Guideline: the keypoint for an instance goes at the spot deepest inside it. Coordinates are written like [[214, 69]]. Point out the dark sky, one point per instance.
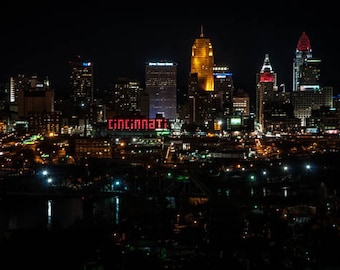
[[120, 38]]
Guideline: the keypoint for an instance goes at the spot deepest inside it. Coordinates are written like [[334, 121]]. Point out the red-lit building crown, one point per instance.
[[303, 43]]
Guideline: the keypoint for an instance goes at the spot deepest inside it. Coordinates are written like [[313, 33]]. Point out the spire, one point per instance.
[[201, 35], [303, 43], [267, 67], [267, 74]]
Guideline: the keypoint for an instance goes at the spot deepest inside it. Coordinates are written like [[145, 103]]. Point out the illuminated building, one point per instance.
[[241, 103], [81, 85], [307, 94], [239, 119], [36, 106], [306, 101], [202, 62], [161, 86], [47, 123], [265, 85], [274, 111], [201, 96], [224, 89], [202, 105], [36, 96], [81, 80], [127, 98], [306, 69], [193, 98], [20, 83], [92, 148]]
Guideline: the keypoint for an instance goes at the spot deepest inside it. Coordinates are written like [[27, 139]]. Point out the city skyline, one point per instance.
[[43, 40]]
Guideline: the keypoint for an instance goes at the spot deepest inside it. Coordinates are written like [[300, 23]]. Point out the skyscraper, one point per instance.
[[306, 69], [265, 85], [161, 86], [127, 97], [81, 84], [36, 105], [202, 62], [307, 92], [81, 80], [224, 89]]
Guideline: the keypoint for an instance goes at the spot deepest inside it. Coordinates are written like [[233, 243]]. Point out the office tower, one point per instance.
[[202, 62], [34, 95], [265, 87], [23, 82], [202, 105], [81, 80], [224, 89], [304, 102], [193, 99], [81, 84], [161, 86], [239, 119], [127, 97], [241, 103], [274, 110], [307, 92], [306, 69], [36, 106]]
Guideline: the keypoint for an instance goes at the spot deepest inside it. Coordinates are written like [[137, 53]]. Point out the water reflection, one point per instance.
[[32, 212], [49, 213]]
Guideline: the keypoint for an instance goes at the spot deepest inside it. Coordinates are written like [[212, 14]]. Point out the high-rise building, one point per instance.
[[35, 101], [202, 62], [81, 80], [274, 111], [23, 82], [265, 87], [304, 102], [240, 118], [161, 86], [306, 69], [224, 89], [307, 92], [33, 95], [241, 103], [127, 97]]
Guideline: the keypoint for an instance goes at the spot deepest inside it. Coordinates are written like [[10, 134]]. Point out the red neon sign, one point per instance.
[[137, 123]]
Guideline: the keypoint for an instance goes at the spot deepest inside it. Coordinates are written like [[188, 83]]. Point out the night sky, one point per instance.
[[42, 37]]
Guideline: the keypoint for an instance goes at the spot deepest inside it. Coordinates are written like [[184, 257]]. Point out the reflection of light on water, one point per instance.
[[117, 209], [49, 213]]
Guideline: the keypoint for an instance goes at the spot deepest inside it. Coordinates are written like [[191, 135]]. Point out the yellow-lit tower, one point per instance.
[[202, 62]]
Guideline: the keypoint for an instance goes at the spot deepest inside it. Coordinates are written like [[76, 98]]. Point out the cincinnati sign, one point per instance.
[[137, 123]]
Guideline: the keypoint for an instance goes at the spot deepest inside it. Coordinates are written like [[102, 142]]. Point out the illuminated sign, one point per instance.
[[87, 64], [137, 124], [235, 121], [160, 64], [222, 75]]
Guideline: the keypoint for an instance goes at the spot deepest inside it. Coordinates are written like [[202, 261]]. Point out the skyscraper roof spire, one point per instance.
[[201, 35], [266, 67], [304, 43]]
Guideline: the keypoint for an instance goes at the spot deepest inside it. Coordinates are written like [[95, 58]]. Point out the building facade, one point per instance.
[[202, 62], [81, 80], [308, 94], [161, 87], [266, 84], [127, 98], [224, 89]]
